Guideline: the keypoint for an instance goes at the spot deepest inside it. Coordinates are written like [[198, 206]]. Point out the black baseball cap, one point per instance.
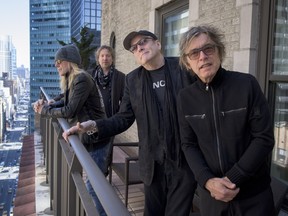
[[133, 34]]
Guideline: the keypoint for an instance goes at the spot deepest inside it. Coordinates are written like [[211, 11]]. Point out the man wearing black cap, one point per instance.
[[149, 97]]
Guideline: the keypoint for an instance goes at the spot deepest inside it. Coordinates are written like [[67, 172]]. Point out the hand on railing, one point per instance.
[[88, 127], [38, 105]]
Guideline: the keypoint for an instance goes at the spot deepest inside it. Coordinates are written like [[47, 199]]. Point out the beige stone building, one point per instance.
[[256, 33]]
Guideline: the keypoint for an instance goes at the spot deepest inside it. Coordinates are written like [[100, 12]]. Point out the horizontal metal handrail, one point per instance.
[[105, 192]]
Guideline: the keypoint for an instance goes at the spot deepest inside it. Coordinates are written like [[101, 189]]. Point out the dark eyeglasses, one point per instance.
[[141, 42], [58, 62], [208, 49]]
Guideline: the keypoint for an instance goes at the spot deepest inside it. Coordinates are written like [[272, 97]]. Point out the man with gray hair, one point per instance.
[[226, 130]]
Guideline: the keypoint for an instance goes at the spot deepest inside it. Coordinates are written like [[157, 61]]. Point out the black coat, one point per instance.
[[132, 108], [79, 103], [117, 89], [226, 130]]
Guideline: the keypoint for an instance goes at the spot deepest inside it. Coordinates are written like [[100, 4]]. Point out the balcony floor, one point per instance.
[[135, 195], [135, 192]]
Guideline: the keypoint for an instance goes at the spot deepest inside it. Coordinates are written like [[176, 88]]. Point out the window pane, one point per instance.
[[280, 46], [174, 25], [280, 152], [279, 163]]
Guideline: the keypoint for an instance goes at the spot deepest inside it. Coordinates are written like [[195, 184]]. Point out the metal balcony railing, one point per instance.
[[65, 163]]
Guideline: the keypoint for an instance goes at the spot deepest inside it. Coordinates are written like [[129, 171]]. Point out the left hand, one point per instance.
[[222, 189], [39, 109], [38, 105]]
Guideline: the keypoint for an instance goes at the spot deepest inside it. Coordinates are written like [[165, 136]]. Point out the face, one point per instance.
[[62, 67], [105, 59], [203, 57], [146, 50]]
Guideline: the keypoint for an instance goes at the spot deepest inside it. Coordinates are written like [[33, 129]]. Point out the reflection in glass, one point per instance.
[[280, 45], [174, 26], [280, 152]]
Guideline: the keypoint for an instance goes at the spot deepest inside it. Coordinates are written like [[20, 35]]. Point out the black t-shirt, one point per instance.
[[158, 84]]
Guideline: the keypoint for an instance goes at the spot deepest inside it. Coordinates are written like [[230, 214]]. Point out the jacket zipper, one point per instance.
[[216, 129], [201, 116], [231, 111]]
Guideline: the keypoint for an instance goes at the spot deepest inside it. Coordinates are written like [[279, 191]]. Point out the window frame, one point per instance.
[[165, 11]]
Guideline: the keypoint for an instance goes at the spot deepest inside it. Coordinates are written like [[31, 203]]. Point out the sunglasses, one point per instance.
[[141, 42], [58, 62], [208, 49]]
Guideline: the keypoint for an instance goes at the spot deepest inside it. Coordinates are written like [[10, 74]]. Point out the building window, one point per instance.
[[173, 21], [278, 87]]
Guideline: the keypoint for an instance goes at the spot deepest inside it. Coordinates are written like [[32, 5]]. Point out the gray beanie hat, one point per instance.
[[68, 53]]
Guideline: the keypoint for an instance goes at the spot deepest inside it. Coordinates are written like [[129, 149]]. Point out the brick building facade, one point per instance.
[[256, 36], [236, 18]]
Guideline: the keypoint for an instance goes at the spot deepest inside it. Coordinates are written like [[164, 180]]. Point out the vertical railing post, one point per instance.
[[58, 170], [72, 193]]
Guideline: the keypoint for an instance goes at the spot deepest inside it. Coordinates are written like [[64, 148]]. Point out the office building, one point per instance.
[[49, 22], [86, 13], [7, 56]]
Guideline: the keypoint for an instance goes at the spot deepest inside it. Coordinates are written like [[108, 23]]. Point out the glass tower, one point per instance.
[[6, 48], [86, 13], [49, 22]]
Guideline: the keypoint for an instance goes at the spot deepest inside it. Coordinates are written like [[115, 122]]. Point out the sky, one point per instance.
[[14, 21]]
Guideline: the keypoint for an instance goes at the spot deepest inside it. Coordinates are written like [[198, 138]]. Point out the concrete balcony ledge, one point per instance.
[[24, 203]]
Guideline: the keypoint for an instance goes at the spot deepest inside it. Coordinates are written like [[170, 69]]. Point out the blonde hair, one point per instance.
[[70, 76]]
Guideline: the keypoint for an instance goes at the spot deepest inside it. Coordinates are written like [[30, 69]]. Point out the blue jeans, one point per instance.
[[101, 157]]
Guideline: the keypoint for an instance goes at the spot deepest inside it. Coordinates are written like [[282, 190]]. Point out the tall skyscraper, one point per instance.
[[86, 13], [7, 55], [49, 22]]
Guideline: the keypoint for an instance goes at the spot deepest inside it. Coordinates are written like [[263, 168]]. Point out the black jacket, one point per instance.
[[226, 130], [132, 108], [117, 88], [79, 103]]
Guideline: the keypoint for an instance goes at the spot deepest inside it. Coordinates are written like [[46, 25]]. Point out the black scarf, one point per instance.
[[102, 79], [164, 121]]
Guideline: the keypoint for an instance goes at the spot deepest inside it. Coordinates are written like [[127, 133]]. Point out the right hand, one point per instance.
[[78, 128]]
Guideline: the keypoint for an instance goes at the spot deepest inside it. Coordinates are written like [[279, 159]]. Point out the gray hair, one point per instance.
[[212, 32]]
